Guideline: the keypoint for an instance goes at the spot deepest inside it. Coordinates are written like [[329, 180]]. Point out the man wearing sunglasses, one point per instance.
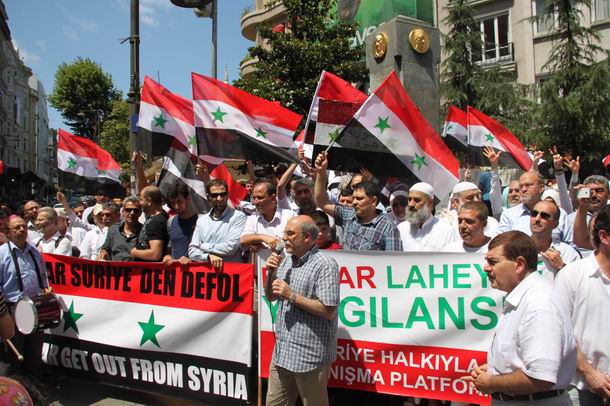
[[217, 233], [553, 255], [121, 238]]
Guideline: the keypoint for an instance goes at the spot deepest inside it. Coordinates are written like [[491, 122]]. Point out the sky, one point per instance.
[[173, 41]]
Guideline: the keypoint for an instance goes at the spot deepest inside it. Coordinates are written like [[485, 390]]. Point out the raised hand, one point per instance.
[[492, 156]]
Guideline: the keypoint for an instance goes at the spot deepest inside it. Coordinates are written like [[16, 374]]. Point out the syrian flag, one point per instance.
[[237, 193], [84, 167], [165, 116], [332, 93], [605, 161], [455, 132], [234, 124], [390, 137], [485, 131]]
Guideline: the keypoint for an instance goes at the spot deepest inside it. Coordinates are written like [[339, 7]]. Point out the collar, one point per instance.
[[54, 237], [592, 267], [375, 219], [300, 261], [276, 216], [514, 298], [27, 247], [223, 214], [31, 226], [523, 209]]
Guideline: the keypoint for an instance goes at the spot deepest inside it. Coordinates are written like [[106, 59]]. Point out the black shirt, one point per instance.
[[118, 245], [154, 228]]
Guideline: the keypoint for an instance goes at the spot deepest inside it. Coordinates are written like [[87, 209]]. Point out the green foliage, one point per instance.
[[114, 136], [82, 89], [289, 66], [575, 110]]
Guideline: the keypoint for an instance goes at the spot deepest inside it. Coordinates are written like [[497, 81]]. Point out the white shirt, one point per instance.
[[568, 255], [432, 236], [584, 292], [92, 243], [459, 246], [518, 218], [256, 224], [451, 217], [76, 235], [534, 334], [569, 233], [64, 247], [33, 233]]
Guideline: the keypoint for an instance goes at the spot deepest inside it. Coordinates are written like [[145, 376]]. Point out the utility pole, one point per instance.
[[134, 82], [214, 35]]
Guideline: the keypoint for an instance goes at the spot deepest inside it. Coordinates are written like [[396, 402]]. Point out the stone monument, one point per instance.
[[412, 48]]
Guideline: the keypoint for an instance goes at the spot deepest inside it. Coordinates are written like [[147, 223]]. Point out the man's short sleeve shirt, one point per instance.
[[380, 234]]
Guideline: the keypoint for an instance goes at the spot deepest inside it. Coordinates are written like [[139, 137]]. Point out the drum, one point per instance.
[[37, 313]]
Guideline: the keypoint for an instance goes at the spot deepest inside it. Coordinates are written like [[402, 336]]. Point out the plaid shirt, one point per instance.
[[303, 341], [380, 234]]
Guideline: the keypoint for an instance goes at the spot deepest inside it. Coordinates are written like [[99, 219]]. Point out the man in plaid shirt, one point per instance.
[[364, 226], [306, 283]]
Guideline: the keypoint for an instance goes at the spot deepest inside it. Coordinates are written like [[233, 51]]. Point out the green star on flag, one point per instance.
[[261, 133], [218, 115], [160, 121], [382, 124], [102, 173], [450, 127], [150, 330], [70, 318], [419, 161], [489, 137], [192, 140], [71, 163], [334, 135]]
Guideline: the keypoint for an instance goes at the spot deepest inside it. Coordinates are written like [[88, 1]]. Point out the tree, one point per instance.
[[464, 82], [574, 112], [114, 136], [83, 93], [290, 63]]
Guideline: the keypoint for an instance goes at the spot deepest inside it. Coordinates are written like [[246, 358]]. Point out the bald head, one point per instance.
[[300, 235]]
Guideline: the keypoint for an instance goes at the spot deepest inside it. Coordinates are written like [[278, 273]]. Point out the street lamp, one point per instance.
[[202, 9]]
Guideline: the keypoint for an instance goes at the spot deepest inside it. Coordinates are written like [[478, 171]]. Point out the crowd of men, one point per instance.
[[547, 247]]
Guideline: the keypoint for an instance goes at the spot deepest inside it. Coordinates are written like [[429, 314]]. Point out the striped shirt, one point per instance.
[[304, 341], [380, 234]]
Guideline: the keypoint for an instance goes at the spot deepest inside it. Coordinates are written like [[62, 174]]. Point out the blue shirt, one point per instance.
[[8, 274], [180, 233], [218, 236]]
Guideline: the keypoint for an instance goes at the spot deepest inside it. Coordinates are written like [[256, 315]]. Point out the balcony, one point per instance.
[[497, 55], [254, 16], [247, 66]]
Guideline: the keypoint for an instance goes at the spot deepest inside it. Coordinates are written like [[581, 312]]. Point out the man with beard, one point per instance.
[[302, 193], [105, 216], [364, 227], [152, 239], [30, 213], [472, 218], [553, 255], [531, 186], [422, 231], [217, 233], [587, 208], [51, 241]]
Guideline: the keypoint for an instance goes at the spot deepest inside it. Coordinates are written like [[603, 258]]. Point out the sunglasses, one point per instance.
[[131, 210], [544, 215], [215, 195]]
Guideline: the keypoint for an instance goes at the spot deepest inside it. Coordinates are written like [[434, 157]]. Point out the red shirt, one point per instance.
[[331, 245]]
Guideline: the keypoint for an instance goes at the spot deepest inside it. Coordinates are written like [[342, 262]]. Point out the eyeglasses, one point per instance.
[[19, 227], [215, 195], [544, 215], [131, 210]]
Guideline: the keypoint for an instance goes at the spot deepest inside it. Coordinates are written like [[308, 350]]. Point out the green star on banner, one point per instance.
[[70, 318], [218, 115], [192, 140], [382, 123], [150, 330], [261, 133], [160, 121], [71, 163], [489, 137], [419, 161]]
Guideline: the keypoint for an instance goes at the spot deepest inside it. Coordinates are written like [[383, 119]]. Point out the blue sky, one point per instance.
[[174, 42]]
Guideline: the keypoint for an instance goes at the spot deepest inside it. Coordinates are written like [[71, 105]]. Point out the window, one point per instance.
[[545, 24], [602, 10], [495, 35]]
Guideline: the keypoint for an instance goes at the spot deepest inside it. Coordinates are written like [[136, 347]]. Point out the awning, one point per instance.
[[31, 177]]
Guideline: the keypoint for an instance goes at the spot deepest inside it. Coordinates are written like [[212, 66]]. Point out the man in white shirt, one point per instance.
[[30, 213], [472, 218], [51, 241], [466, 192], [583, 289], [422, 231], [105, 216], [553, 255], [533, 354]]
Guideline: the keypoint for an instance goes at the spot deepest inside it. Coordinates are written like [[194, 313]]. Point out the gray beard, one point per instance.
[[419, 216]]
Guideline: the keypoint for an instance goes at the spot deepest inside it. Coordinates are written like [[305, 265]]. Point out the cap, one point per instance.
[[97, 209], [464, 186], [424, 188]]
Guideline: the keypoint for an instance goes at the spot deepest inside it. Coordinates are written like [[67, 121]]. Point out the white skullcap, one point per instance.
[[553, 194], [424, 188], [464, 186], [97, 209], [61, 212], [397, 193]]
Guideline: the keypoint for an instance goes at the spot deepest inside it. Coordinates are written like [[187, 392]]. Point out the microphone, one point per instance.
[[279, 247]]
